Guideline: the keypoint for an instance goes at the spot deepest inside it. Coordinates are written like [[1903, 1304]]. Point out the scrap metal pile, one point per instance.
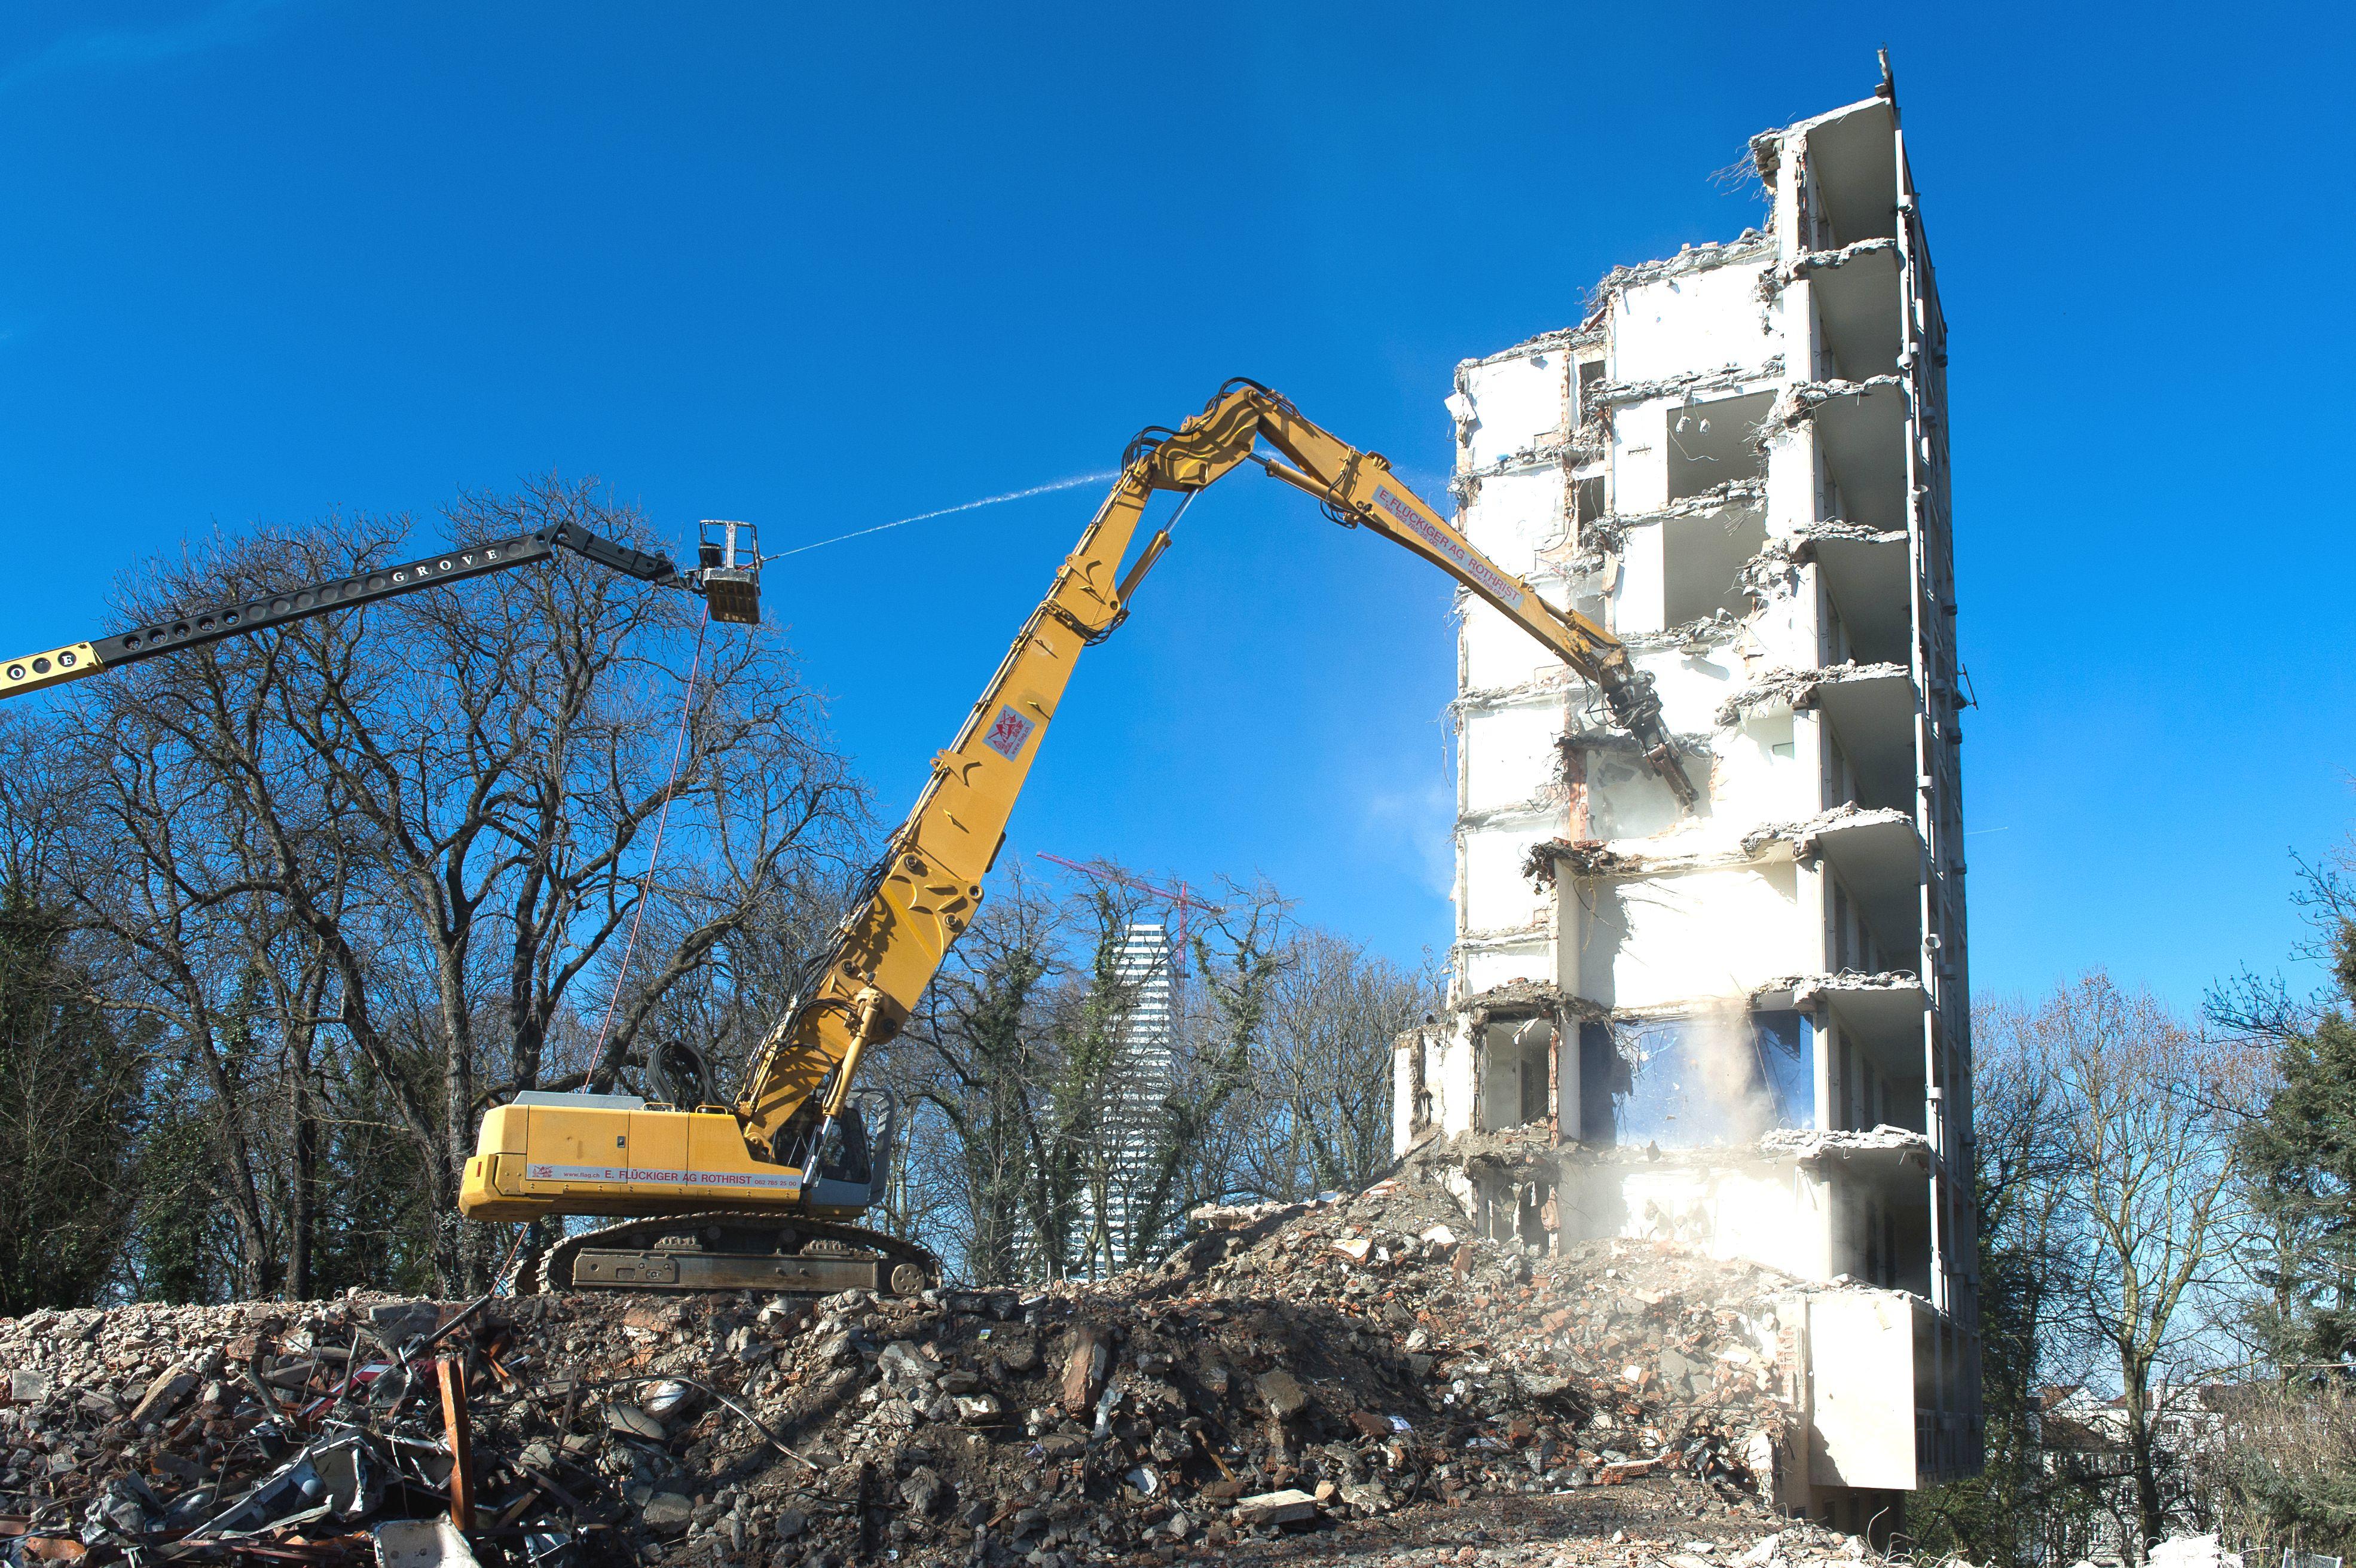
[[1355, 1364]]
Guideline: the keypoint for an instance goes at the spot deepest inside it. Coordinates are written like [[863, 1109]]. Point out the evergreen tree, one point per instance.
[[2300, 1155], [2287, 1480], [68, 1116], [176, 1250], [374, 1226]]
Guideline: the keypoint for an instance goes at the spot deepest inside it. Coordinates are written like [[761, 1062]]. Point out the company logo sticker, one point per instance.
[[1496, 582], [1007, 734], [680, 1177]]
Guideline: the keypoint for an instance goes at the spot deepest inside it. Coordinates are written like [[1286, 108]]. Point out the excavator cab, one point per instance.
[[728, 566], [852, 1163], [870, 1124]]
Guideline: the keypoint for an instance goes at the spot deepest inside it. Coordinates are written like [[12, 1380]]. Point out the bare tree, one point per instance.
[[2025, 1504], [2143, 1190], [974, 1056], [1318, 1114], [167, 868], [447, 800], [1074, 1153], [1239, 955]]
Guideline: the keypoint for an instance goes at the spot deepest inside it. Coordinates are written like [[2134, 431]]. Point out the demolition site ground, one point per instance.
[[1349, 1381]]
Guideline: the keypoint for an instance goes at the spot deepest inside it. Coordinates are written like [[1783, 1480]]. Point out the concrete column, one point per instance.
[[1406, 1085], [1571, 921], [1565, 1053], [1828, 1040]]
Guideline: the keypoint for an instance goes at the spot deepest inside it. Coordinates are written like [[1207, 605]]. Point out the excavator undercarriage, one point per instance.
[[730, 1250], [775, 1243]]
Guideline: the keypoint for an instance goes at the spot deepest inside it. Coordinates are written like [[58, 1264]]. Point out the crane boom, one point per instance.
[[725, 576]]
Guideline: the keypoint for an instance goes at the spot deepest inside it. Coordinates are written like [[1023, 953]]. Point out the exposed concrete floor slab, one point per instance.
[[1868, 578], [1879, 855]]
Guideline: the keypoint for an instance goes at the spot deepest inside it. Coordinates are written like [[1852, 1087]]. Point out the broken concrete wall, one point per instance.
[[1759, 1211], [1703, 314], [1736, 461], [1643, 942]]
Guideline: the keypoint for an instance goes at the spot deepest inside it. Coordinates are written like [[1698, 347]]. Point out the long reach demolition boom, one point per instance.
[[756, 1194]]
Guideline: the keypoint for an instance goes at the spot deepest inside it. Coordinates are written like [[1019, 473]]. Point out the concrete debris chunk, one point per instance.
[[398, 1322], [976, 1409], [1084, 1368], [666, 1511], [1283, 1395], [628, 1421], [1287, 1507], [165, 1394]]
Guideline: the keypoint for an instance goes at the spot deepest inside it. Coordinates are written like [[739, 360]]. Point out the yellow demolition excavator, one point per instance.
[[761, 1194]]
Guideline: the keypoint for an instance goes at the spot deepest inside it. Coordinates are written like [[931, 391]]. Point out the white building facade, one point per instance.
[[1138, 1121], [1743, 1027]]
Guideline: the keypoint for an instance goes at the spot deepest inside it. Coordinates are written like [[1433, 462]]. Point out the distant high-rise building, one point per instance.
[[1135, 1130]]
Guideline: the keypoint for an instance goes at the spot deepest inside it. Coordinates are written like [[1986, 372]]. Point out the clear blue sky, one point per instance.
[[824, 267]]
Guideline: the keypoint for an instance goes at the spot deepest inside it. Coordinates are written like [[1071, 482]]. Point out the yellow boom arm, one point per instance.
[[928, 885]]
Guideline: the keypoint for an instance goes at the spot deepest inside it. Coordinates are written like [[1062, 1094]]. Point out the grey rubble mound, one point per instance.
[[1360, 1354]]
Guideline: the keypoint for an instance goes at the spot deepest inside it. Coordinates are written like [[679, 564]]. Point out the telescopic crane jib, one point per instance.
[[726, 573], [756, 1194]]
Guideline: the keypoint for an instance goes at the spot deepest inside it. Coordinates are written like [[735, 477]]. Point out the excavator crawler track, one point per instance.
[[726, 1250]]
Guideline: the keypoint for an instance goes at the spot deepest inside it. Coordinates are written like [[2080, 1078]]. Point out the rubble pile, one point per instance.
[[1352, 1364], [1603, 1361]]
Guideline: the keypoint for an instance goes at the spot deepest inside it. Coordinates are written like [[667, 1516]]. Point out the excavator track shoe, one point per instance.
[[736, 1251]]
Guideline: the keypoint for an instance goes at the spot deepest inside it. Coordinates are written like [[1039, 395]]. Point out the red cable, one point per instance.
[[662, 820]]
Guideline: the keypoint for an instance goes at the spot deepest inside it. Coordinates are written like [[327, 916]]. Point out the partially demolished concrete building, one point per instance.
[[1744, 1028]]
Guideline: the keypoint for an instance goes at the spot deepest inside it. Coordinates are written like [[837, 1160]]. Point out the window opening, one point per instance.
[[1602, 1078], [1697, 1083], [1587, 499], [1590, 372], [1710, 444], [1515, 1087]]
